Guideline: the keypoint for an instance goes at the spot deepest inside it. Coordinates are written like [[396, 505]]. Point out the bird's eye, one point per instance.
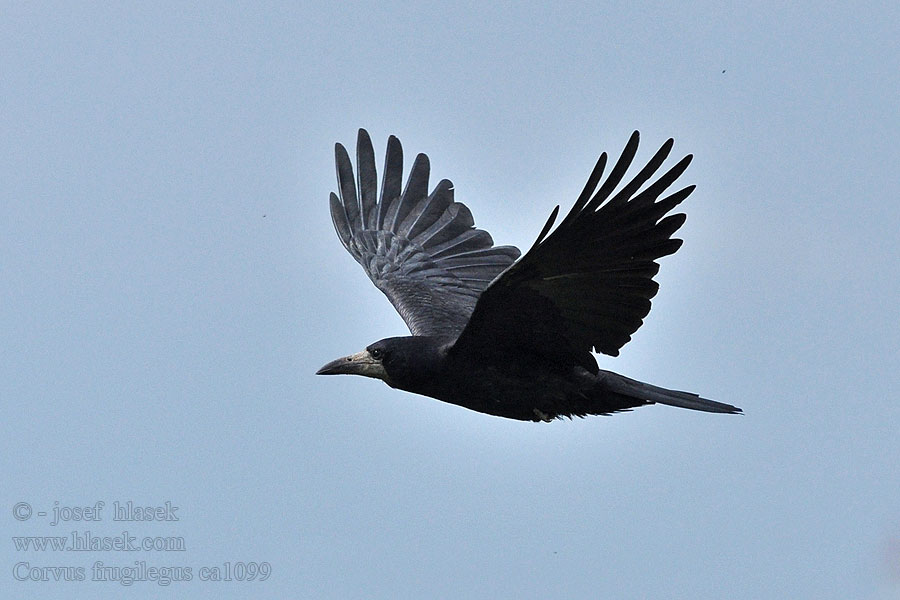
[[377, 353]]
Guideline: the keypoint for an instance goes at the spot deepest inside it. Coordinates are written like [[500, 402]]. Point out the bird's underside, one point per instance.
[[538, 394], [495, 332]]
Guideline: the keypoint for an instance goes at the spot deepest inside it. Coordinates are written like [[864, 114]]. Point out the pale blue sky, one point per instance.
[[171, 282]]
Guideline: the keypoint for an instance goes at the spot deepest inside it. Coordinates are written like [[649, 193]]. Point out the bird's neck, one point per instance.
[[419, 364]]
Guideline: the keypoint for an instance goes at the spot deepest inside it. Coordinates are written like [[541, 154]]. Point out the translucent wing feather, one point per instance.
[[422, 250]]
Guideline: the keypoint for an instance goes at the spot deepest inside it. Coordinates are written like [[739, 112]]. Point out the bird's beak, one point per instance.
[[360, 363]]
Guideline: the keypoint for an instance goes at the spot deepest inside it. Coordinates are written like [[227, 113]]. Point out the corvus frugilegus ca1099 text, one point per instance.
[[500, 334]]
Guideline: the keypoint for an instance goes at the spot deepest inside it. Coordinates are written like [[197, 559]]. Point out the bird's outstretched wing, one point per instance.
[[422, 250], [588, 284]]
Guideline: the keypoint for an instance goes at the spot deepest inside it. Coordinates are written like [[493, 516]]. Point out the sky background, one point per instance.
[[171, 281]]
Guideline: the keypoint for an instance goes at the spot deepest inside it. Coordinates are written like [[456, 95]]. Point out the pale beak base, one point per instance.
[[360, 363]]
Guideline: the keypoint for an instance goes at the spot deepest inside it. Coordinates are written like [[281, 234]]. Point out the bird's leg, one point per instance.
[[542, 416]]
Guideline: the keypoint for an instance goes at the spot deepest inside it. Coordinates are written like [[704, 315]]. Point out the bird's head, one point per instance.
[[401, 362]]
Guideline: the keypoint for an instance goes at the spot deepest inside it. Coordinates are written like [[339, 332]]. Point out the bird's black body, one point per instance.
[[524, 387], [502, 336]]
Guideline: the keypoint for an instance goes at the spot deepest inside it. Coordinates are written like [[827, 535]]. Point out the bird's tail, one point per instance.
[[621, 385]]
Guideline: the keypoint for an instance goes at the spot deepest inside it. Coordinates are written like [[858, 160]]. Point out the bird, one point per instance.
[[496, 331]]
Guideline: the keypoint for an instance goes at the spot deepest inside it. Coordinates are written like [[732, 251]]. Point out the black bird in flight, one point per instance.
[[491, 331]]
